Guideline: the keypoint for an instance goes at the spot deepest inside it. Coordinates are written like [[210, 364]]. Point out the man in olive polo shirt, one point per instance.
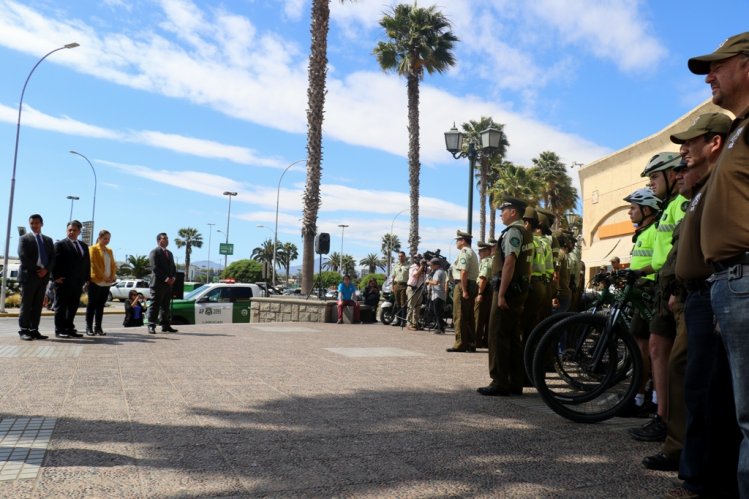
[[724, 233], [400, 280], [483, 306], [510, 278], [465, 271]]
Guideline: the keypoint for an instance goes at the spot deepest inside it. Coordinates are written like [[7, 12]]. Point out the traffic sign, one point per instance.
[[226, 249]]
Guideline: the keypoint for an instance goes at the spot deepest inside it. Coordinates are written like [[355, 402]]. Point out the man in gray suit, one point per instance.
[[37, 255]]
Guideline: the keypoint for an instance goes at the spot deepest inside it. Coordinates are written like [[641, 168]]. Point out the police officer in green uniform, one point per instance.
[[482, 309], [537, 294], [546, 221], [465, 271], [400, 281], [510, 280]]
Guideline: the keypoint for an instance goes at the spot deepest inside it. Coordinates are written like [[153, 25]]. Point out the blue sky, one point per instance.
[[177, 101]]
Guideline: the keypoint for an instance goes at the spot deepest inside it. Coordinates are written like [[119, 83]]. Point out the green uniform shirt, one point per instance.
[[538, 266], [468, 261], [662, 243], [642, 251], [485, 267], [549, 256], [400, 272]]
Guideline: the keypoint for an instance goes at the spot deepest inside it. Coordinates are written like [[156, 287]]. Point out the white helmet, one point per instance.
[[644, 197]]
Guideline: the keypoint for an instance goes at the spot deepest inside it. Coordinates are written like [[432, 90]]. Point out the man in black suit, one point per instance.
[[71, 272], [37, 255], [163, 274]]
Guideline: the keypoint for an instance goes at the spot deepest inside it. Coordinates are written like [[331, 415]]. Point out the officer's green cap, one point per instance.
[[542, 218], [463, 235], [549, 216], [705, 123], [483, 245], [509, 202], [737, 44], [530, 214]]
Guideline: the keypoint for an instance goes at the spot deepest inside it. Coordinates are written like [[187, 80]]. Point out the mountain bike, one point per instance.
[[596, 366]]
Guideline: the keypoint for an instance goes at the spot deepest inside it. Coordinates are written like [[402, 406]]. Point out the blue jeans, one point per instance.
[[710, 454], [730, 300]]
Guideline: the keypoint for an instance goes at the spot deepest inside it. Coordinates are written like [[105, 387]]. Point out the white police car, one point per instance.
[[216, 303]]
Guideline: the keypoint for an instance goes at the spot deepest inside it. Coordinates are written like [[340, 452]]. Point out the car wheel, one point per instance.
[[110, 297]]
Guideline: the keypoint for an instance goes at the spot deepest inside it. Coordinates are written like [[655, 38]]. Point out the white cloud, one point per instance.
[[365, 108], [66, 125], [294, 8]]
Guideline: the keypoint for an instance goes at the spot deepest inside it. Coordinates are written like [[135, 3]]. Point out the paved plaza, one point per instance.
[[290, 410]]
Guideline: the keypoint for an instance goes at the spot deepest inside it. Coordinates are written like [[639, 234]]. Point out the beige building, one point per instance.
[[607, 231]]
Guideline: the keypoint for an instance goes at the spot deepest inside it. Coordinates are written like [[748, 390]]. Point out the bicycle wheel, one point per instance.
[[597, 371], [531, 342]]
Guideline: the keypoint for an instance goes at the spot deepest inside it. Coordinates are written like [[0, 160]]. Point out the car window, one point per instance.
[[241, 294], [219, 295]]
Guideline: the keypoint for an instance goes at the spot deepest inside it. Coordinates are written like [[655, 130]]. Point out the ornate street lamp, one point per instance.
[[462, 146]]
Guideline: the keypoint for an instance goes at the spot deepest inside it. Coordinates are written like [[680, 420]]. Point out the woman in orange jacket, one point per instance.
[[103, 275]]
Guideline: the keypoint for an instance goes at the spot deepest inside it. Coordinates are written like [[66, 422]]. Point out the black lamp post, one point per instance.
[[462, 146]]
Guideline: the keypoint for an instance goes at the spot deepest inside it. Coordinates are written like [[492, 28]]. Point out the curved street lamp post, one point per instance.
[[13, 175], [72, 199], [343, 228], [275, 230], [93, 209], [228, 217]]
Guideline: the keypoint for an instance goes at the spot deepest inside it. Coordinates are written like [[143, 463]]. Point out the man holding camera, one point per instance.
[[415, 290]]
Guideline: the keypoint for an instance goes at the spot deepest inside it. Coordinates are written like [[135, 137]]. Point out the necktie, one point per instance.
[[78, 247], [42, 250]]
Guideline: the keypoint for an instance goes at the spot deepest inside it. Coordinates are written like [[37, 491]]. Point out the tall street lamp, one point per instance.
[[219, 231], [390, 240], [93, 209], [275, 231], [72, 200], [462, 146], [210, 269], [228, 216], [343, 228], [13, 175]]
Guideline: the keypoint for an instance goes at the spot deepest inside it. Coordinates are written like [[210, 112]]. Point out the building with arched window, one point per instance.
[[604, 183]]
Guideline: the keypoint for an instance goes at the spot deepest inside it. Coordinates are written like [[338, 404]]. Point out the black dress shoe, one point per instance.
[[470, 349], [151, 329], [62, 334], [25, 336], [90, 332], [493, 391], [37, 335], [168, 329], [73, 333], [451, 349], [661, 462], [99, 331]]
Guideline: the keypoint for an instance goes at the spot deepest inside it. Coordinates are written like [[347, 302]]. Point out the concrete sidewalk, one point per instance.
[[287, 410]]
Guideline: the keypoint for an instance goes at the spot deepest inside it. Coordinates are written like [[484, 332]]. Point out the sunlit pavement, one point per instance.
[[290, 409]]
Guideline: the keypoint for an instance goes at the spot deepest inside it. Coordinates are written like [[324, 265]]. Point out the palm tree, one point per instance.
[[491, 179], [349, 266], [473, 131], [264, 253], [188, 237], [419, 39], [390, 243], [316, 79], [516, 181], [557, 192], [333, 262], [137, 265], [287, 253], [372, 261]]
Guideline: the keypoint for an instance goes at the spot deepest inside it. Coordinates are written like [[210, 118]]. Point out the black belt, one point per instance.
[[400, 282], [722, 265], [694, 285]]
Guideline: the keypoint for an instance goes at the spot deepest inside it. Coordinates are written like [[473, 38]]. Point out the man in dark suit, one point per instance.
[[163, 274], [71, 272], [37, 255]]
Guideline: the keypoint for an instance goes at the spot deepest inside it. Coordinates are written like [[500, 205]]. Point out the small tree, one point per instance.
[[136, 266], [372, 261], [188, 237], [245, 270]]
